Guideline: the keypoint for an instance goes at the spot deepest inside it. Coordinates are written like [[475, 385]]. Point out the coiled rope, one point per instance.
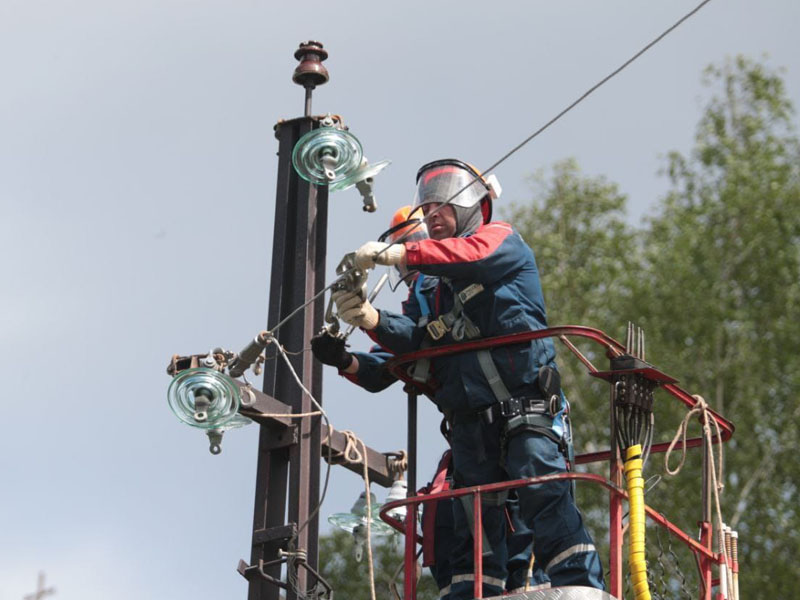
[[701, 410]]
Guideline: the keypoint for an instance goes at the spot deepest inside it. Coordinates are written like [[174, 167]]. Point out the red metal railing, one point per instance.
[[699, 548], [702, 549]]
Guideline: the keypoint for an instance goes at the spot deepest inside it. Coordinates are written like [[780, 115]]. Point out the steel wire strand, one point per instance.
[[398, 570], [493, 166], [508, 154], [683, 583], [324, 415], [283, 321], [575, 103], [291, 568]]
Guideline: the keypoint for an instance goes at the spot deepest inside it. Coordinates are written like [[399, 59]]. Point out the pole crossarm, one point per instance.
[[266, 410], [377, 463]]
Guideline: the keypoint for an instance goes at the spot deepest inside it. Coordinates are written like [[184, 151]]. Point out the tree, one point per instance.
[[721, 296], [350, 578], [714, 280], [585, 252]]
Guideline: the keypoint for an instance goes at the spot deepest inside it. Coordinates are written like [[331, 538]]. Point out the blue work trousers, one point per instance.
[[563, 549], [519, 542]]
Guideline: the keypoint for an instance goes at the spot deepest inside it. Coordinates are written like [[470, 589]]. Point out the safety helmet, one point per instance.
[[463, 185], [408, 225]]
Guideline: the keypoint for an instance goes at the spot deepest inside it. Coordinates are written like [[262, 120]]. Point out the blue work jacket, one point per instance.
[[498, 258]]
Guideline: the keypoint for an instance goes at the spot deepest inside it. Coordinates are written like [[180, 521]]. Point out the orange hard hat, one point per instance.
[[407, 225], [406, 220]]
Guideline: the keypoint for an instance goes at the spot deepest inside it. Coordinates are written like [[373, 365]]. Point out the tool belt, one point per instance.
[[524, 406], [505, 409]]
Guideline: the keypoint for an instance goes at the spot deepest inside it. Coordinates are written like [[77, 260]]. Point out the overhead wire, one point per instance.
[[575, 103], [324, 415], [508, 154]]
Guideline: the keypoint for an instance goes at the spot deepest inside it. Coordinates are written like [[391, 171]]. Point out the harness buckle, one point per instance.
[[469, 292], [554, 404], [511, 407], [437, 329]]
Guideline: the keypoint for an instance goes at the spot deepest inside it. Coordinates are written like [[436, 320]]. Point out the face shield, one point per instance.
[[442, 180], [410, 230]]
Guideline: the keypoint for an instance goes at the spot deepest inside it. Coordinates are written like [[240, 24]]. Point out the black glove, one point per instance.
[[329, 350]]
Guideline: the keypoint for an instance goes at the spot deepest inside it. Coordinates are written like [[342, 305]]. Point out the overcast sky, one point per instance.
[[137, 181]]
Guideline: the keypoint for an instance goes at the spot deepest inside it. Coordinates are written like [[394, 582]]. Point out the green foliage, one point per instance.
[[350, 579], [714, 280], [722, 265], [583, 245], [584, 252]]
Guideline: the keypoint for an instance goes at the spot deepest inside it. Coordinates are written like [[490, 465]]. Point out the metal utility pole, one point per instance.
[[298, 272], [289, 450], [41, 591]]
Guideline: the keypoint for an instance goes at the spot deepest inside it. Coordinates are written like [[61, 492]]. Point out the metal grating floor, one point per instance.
[[559, 593]]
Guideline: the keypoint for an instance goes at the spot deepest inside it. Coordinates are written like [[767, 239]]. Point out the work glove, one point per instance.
[[373, 253], [354, 310], [329, 350]]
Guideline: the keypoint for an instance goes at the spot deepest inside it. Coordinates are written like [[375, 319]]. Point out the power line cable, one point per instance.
[[513, 150], [575, 103], [588, 92]]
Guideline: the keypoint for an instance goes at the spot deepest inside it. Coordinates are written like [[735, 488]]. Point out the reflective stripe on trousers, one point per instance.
[[470, 579], [547, 509], [571, 551], [531, 588]]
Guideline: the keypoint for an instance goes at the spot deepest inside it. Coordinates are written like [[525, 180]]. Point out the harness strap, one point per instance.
[[537, 424], [440, 484], [455, 320], [421, 368], [421, 300], [487, 499], [489, 369]]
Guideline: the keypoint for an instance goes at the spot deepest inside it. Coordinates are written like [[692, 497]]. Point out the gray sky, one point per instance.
[[137, 177]]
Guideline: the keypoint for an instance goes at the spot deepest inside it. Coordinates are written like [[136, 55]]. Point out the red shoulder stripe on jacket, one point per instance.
[[459, 250]]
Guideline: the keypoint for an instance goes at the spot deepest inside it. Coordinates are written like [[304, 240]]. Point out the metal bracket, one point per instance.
[[281, 438], [321, 589], [250, 572], [364, 188]]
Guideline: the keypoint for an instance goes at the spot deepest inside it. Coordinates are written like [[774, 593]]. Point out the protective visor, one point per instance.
[[441, 183], [415, 230]]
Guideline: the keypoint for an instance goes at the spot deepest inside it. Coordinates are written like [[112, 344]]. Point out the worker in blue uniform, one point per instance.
[[504, 405], [367, 369]]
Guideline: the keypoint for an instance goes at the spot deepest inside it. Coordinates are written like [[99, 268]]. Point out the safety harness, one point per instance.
[[441, 482], [521, 413], [525, 413]]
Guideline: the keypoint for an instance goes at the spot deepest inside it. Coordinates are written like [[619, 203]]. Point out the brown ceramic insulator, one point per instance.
[[310, 72]]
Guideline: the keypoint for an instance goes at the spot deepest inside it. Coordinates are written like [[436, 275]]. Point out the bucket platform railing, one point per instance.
[[706, 558]]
